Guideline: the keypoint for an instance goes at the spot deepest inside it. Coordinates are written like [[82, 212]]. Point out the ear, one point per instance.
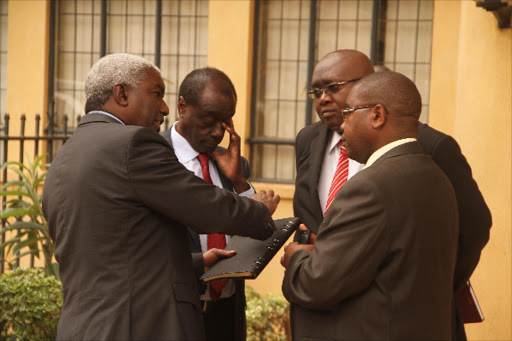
[[182, 106], [379, 117], [121, 94]]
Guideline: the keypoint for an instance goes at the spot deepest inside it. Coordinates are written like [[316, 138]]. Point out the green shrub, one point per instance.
[[267, 317], [30, 305], [24, 214]]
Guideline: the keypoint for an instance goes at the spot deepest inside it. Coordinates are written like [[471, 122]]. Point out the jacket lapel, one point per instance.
[[317, 153]]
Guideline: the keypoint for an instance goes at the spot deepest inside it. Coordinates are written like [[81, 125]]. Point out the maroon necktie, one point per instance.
[[340, 176], [214, 240]]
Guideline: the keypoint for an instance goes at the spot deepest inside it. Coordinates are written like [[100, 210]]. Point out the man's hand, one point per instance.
[[312, 237], [229, 160], [211, 256], [268, 198], [290, 249]]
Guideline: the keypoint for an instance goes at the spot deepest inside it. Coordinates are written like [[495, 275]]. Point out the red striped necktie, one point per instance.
[[340, 176], [214, 240]]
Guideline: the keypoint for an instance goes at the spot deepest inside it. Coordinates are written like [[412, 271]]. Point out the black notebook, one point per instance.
[[252, 255]]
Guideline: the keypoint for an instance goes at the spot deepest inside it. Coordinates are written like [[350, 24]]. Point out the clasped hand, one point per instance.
[[291, 248], [211, 256]]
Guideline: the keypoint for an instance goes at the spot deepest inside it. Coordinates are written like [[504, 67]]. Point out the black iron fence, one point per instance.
[[17, 145]]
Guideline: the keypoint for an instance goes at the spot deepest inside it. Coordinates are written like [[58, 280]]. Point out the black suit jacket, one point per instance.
[[310, 146], [384, 257], [475, 217], [197, 255], [117, 202]]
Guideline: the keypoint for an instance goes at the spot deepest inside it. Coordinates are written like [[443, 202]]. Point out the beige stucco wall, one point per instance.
[[27, 66], [27, 61], [471, 91]]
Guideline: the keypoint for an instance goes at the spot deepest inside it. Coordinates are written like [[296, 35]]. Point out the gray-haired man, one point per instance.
[[117, 202]]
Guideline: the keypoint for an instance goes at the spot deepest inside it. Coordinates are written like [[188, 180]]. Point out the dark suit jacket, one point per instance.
[[117, 202], [383, 263], [474, 215], [310, 147], [197, 255]]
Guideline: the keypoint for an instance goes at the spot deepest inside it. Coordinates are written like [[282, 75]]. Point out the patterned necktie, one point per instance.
[[340, 176], [214, 240]]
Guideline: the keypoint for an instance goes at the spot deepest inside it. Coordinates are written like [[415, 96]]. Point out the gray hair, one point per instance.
[[117, 68]]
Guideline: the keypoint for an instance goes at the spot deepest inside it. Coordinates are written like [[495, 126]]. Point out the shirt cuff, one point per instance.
[[249, 192]]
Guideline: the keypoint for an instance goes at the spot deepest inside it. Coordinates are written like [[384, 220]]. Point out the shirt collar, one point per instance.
[[183, 150], [334, 142], [106, 114], [384, 149]]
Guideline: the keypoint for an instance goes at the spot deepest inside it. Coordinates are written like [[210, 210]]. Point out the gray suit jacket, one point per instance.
[[383, 263], [117, 202], [474, 215]]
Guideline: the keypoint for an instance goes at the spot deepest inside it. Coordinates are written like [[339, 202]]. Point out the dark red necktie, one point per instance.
[[340, 176], [214, 240]]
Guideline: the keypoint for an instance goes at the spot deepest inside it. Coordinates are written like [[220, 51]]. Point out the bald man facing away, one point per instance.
[[383, 261], [318, 151], [475, 218]]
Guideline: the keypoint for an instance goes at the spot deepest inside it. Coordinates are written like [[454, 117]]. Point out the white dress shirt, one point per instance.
[[106, 114], [331, 157], [384, 149], [187, 156]]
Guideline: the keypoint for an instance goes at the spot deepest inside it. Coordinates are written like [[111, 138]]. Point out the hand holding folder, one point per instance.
[[252, 255]]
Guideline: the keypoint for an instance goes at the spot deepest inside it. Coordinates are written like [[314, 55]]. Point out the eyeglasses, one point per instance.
[[348, 111], [329, 89]]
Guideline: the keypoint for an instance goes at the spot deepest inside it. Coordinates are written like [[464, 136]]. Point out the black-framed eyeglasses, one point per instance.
[[329, 89], [348, 111]]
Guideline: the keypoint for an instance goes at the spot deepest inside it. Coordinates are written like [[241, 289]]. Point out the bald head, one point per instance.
[[387, 106], [348, 63], [397, 93], [343, 66]]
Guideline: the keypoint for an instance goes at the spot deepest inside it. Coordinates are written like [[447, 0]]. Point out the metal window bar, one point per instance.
[[39, 142], [376, 18], [182, 20], [258, 140], [184, 46], [378, 31], [393, 16]]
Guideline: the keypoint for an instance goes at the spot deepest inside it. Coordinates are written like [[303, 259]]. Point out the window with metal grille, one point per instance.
[[290, 38], [170, 33]]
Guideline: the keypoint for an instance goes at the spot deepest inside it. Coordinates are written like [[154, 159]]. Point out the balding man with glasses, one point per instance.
[[317, 146], [318, 154], [382, 265]]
